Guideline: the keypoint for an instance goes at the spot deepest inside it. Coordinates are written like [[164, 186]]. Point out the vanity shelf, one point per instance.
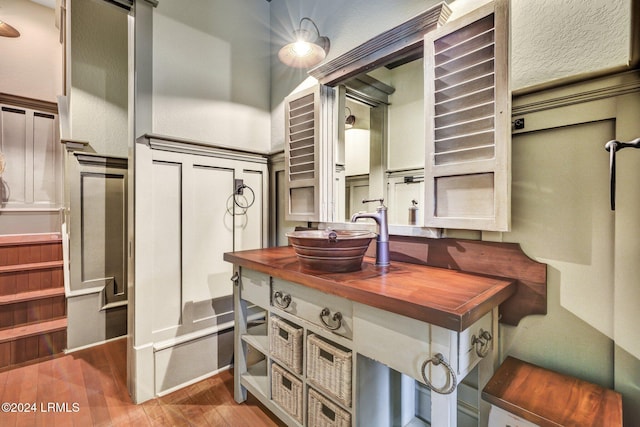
[[256, 378], [256, 336]]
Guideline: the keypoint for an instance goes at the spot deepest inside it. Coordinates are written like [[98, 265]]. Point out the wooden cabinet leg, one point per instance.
[[240, 348]]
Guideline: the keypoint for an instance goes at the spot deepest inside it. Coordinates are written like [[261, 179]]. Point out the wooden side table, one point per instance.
[[547, 398]]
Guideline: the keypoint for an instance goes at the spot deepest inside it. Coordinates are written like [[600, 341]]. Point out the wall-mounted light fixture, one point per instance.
[[349, 120], [307, 50], [7, 30]]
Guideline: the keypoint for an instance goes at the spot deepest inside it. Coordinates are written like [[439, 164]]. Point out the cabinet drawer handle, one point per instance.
[[337, 319], [484, 340], [438, 359], [281, 299]]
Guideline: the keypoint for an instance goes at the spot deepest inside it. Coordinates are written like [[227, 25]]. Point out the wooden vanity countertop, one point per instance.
[[447, 298]]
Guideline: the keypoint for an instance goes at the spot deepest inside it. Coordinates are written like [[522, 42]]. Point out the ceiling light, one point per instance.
[[7, 30], [307, 49]]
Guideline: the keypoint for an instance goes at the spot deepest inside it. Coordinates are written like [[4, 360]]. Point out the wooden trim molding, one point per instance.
[[31, 103], [405, 40], [480, 257], [74, 145], [179, 145], [577, 93], [128, 4], [93, 159]]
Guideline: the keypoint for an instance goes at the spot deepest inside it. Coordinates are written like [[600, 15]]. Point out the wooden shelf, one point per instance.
[[32, 330], [257, 338], [256, 379]]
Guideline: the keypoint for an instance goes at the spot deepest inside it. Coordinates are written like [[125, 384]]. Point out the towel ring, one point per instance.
[[436, 360]]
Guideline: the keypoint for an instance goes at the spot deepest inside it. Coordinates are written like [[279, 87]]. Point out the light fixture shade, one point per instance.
[[350, 119], [7, 30], [301, 54], [304, 52]]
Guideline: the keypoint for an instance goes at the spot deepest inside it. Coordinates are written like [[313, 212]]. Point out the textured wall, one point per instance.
[[98, 96], [37, 74], [554, 39]]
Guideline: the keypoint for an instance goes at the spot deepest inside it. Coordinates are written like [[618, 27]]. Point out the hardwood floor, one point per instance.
[[88, 388]]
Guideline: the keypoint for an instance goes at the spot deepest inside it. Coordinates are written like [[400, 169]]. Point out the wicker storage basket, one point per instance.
[[329, 368], [324, 413], [286, 391], [285, 343]]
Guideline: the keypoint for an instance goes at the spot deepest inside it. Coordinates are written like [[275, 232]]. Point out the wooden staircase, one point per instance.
[[33, 323]]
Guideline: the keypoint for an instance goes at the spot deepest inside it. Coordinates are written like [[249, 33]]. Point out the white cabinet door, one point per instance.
[[468, 122]]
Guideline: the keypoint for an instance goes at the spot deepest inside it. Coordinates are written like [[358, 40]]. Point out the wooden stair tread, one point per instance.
[[30, 239], [33, 266], [31, 295], [549, 398], [32, 329]]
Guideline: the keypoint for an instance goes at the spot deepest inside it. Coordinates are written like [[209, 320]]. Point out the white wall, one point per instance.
[[37, 75], [211, 72], [98, 94], [406, 117]]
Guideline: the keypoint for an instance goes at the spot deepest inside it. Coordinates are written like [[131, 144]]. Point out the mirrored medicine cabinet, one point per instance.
[[419, 116]]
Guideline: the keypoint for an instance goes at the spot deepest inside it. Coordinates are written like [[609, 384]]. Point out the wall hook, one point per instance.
[[612, 147]]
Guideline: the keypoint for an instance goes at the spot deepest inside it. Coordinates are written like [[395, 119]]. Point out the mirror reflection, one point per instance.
[[380, 153]]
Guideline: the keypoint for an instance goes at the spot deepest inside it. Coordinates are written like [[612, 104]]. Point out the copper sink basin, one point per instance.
[[336, 251]]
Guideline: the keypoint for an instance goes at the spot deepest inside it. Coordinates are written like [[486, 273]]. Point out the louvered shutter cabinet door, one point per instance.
[[302, 155], [308, 154], [468, 122]]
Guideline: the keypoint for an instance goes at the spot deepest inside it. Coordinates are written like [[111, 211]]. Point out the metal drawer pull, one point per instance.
[[484, 340], [438, 359], [281, 300], [235, 278], [337, 319]]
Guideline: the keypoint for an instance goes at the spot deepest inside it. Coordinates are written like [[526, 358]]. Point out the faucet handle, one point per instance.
[[374, 200]]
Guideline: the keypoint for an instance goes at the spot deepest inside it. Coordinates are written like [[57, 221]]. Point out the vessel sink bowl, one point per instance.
[[336, 251]]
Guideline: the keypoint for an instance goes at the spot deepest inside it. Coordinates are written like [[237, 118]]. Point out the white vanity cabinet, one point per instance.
[[359, 363]]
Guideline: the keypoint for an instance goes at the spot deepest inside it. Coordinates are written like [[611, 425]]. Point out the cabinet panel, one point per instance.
[[47, 173], [468, 351], [502, 418], [206, 275], [255, 287], [13, 143], [309, 304], [379, 335], [419, 341], [166, 201]]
